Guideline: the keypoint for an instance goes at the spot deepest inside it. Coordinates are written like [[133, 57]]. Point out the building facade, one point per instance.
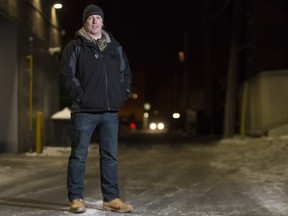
[[29, 88]]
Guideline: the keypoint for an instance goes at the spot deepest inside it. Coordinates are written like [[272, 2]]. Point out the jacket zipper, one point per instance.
[[106, 86]]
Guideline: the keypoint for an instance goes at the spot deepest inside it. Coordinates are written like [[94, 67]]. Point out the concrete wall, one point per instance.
[[266, 102], [8, 88]]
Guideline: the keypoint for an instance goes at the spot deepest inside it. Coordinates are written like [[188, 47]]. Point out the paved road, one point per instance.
[[171, 177]]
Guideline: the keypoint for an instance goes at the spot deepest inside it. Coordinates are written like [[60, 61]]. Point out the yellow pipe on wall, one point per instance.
[[39, 130]]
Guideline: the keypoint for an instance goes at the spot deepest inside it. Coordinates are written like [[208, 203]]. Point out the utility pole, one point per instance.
[[186, 83], [231, 89], [207, 66]]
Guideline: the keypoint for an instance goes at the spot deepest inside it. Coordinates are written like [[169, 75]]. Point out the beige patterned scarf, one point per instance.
[[101, 43]]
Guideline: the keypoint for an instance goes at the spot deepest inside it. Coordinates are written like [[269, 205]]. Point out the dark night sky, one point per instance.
[[148, 30], [152, 33]]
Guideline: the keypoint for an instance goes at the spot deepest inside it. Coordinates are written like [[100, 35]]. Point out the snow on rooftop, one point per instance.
[[62, 114]]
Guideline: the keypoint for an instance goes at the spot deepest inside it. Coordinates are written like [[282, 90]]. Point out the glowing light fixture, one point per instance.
[[58, 6], [135, 96], [176, 115]]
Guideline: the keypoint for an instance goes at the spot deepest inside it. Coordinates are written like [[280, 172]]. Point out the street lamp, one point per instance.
[[147, 107]]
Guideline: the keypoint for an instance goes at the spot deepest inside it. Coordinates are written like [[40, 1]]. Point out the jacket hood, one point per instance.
[[82, 33]]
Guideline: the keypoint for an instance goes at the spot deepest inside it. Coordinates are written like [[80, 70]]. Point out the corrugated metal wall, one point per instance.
[[267, 102]]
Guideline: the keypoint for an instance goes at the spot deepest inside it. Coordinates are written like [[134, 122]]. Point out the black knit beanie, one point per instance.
[[92, 10]]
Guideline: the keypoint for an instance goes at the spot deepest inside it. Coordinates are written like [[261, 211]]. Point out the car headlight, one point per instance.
[[155, 126], [160, 126]]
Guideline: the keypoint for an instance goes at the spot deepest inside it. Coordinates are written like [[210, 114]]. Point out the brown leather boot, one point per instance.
[[117, 205], [77, 206]]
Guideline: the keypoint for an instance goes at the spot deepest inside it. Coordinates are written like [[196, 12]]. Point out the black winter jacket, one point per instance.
[[97, 81]]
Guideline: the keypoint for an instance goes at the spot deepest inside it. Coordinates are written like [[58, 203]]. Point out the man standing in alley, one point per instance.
[[95, 71]]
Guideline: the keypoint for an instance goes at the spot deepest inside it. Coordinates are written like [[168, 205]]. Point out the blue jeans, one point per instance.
[[106, 126]]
